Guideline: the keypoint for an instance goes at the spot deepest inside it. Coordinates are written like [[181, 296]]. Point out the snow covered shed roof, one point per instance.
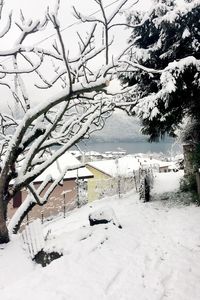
[[152, 162], [123, 166], [66, 160]]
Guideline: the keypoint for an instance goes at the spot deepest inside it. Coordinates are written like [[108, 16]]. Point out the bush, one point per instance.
[[189, 184]]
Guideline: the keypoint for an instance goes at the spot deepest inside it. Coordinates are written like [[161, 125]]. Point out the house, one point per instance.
[[165, 167], [65, 196], [116, 176], [111, 177], [158, 165], [101, 182]]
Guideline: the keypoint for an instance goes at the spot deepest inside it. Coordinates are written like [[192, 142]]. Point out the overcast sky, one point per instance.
[[35, 9]]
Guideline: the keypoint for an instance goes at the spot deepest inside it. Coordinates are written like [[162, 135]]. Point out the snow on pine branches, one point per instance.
[[164, 68]]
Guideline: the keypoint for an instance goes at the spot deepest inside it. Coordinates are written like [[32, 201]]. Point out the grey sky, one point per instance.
[[36, 10]]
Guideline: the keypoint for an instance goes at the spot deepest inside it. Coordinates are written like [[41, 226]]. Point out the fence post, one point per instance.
[[135, 180], [118, 177], [77, 190], [64, 202], [42, 217], [119, 187], [64, 206]]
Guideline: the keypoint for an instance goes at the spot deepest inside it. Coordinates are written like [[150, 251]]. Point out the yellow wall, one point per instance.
[[97, 185]]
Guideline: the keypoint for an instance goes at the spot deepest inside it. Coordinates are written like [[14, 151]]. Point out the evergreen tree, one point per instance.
[[164, 73]]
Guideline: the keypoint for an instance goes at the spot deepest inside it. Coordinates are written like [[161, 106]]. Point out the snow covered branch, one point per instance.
[[77, 101]]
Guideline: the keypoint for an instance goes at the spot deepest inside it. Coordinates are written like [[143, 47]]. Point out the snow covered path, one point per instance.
[[156, 255]]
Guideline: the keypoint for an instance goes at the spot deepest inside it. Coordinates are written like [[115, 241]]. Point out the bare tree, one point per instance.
[[80, 107]]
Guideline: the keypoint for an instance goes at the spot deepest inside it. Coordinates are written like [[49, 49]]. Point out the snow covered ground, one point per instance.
[[156, 255]]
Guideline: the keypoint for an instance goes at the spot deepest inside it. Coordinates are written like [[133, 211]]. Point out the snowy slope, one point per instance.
[[154, 256]]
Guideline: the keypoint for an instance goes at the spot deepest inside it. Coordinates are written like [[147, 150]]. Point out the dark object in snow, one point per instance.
[[102, 216], [146, 183], [96, 222], [144, 189], [147, 189], [45, 258], [4, 240]]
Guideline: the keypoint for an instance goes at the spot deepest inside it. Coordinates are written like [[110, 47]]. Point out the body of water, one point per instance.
[[166, 147]]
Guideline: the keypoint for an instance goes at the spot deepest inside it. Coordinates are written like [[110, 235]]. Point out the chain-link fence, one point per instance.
[[100, 188]]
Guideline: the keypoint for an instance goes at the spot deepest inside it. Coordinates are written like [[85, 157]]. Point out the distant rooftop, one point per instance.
[[66, 160], [123, 166]]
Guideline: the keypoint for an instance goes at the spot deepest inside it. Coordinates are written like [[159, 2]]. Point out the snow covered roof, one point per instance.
[[66, 160], [123, 166], [93, 153], [164, 164], [127, 164], [155, 162]]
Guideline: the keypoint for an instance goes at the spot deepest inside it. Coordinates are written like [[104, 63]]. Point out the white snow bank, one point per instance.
[[155, 256], [167, 182], [14, 263]]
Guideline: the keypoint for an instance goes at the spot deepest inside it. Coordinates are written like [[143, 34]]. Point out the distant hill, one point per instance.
[[120, 127]]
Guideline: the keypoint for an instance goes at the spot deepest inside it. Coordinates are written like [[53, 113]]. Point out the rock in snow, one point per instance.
[[103, 215]]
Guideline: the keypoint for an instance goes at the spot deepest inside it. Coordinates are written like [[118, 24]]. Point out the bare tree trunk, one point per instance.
[[4, 236]]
